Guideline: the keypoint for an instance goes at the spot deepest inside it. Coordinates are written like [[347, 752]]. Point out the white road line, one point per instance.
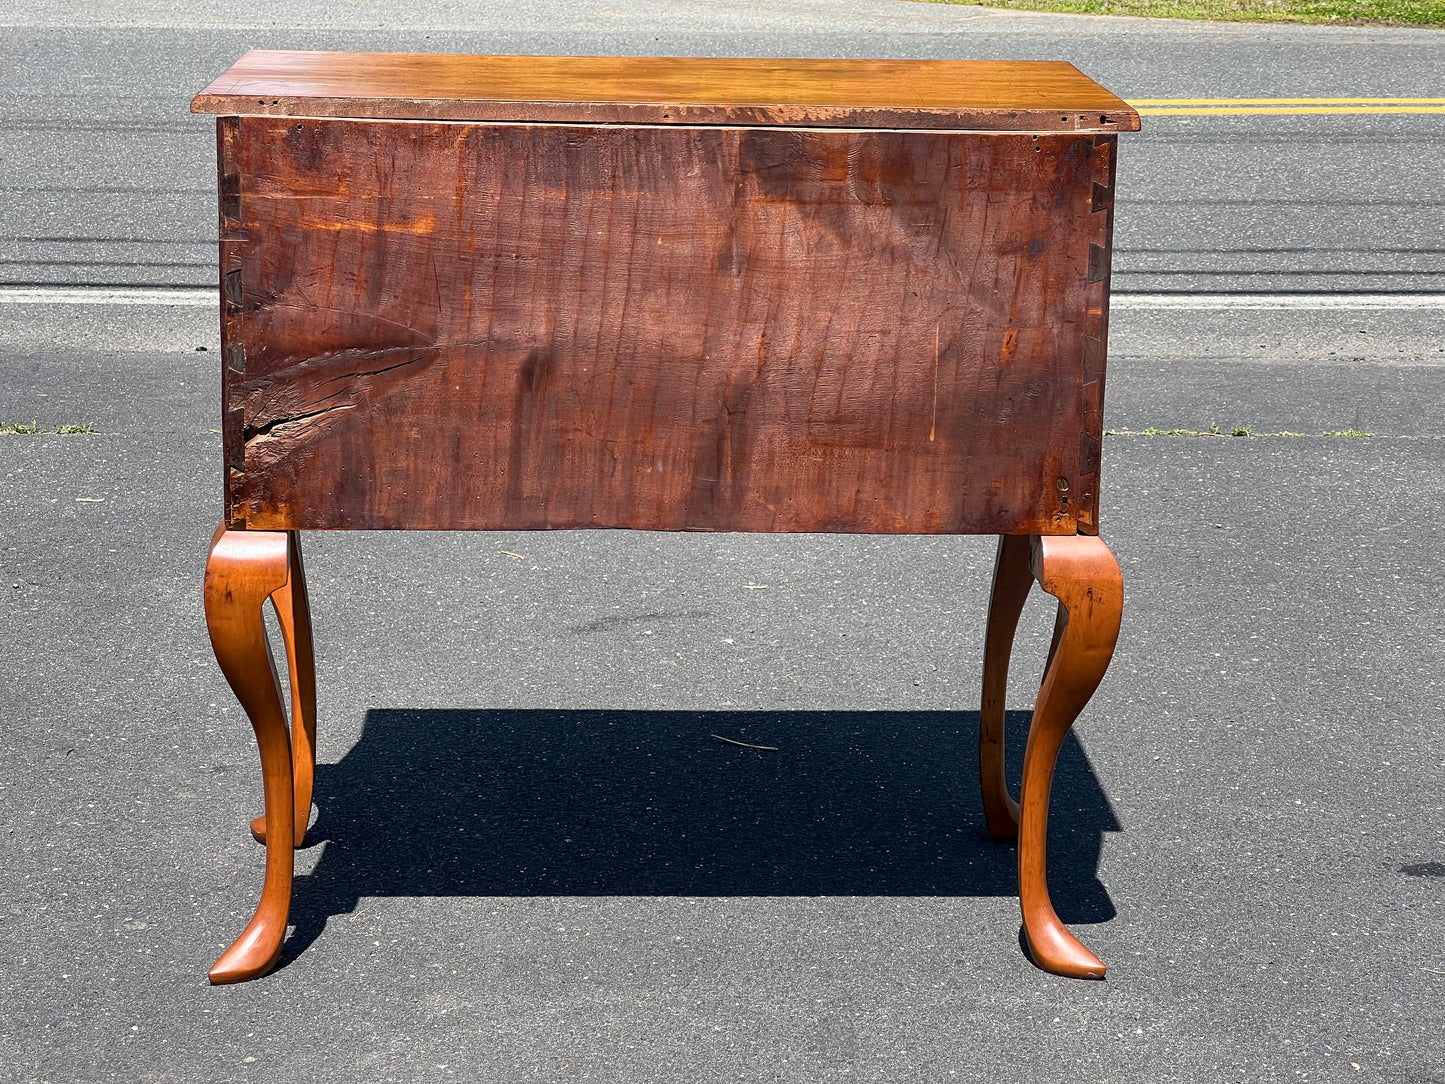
[[1300, 302], [207, 297], [110, 295]]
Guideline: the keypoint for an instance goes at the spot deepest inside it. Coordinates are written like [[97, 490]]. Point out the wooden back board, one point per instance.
[[438, 321]]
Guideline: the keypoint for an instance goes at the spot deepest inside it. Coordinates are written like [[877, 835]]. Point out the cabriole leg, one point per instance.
[[1011, 583], [243, 570], [293, 614], [1082, 574]]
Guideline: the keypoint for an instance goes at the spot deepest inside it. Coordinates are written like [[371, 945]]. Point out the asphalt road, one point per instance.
[[531, 859], [108, 179]]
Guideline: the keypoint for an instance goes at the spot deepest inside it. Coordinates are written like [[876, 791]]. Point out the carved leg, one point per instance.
[[243, 570], [1082, 574], [293, 613], [1011, 583]]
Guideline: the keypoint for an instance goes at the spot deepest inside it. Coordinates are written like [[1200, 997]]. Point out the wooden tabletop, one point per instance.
[[972, 95]]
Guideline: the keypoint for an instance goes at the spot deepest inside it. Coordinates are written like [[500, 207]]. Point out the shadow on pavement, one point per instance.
[[650, 803]]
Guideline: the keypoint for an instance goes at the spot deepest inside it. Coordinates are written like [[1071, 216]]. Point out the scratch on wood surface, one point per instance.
[[933, 425], [423, 225], [350, 312]]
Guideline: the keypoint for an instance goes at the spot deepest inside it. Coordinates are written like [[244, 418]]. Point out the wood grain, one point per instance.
[[465, 326], [244, 569], [1083, 575], [1035, 96]]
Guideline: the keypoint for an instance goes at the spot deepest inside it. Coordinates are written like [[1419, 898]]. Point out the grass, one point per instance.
[[1215, 431], [36, 427], [1348, 12]]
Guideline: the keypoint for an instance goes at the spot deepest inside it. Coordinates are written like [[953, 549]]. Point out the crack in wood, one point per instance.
[[267, 430]]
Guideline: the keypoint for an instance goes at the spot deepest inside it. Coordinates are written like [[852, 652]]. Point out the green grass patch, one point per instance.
[[35, 427], [1237, 431], [1350, 12]]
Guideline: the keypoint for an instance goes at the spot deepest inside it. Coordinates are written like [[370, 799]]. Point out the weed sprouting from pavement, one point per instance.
[[35, 427], [1236, 431]]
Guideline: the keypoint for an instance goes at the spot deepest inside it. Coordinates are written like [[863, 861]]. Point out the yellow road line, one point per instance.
[[1236, 107], [1288, 101], [1292, 111]]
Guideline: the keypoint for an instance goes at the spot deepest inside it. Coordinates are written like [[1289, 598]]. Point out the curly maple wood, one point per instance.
[[293, 614], [1082, 574], [244, 569], [659, 328], [1029, 95]]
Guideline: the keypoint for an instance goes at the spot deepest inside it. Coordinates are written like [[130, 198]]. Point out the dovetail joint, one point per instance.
[[234, 354], [230, 198], [231, 288]]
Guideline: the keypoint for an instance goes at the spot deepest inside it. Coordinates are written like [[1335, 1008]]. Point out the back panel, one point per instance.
[[489, 326]]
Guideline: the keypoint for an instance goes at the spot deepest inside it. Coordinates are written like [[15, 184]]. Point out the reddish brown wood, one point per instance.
[[512, 327], [244, 569], [1096, 337], [1034, 96], [1012, 581], [1082, 574]]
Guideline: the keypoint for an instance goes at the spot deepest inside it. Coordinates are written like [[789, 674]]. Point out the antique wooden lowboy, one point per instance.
[[522, 293]]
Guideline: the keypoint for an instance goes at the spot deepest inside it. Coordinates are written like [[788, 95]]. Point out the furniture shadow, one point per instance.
[[654, 803]]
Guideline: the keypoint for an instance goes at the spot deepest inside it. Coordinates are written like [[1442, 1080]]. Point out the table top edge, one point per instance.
[[963, 95]]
